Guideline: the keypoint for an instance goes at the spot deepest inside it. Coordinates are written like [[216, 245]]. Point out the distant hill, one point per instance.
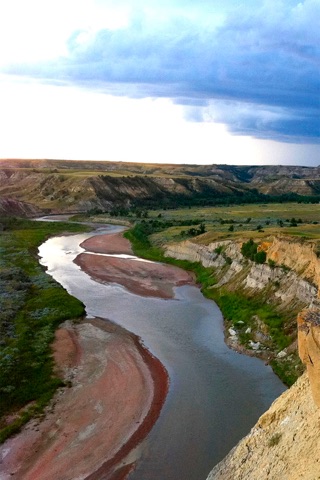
[[12, 207], [62, 186]]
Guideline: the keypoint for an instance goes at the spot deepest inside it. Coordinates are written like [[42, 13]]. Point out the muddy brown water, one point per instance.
[[215, 395]]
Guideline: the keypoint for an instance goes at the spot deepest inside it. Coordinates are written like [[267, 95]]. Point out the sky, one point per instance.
[[170, 81]]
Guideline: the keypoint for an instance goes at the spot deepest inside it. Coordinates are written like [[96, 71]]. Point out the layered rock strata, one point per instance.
[[284, 444], [309, 348], [294, 279]]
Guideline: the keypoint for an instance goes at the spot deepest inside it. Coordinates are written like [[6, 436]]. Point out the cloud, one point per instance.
[[257, 72]]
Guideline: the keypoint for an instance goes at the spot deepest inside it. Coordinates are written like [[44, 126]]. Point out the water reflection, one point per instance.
[[215, 394]]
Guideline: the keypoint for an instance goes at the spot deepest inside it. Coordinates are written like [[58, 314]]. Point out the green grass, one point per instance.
[[218, 220], [32, 306], [283, 211], [235, 305]]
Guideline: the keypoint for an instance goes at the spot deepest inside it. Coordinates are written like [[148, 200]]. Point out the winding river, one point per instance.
[[215, 394]]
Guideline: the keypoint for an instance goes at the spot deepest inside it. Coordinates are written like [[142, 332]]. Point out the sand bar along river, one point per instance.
[[215, 394]]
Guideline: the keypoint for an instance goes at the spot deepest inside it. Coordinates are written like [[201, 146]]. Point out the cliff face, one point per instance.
[[294, 280], [284, 444], [11, 207], [309, 348]]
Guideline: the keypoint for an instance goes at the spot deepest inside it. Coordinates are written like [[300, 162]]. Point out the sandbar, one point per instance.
[[117, 389], [142, 278]]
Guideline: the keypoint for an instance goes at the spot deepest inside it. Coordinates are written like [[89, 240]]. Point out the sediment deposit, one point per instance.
[[140, 277], [113, 243], [116, 392]]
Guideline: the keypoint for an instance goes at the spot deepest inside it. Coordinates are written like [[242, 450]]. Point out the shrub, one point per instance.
[[260, 257], [228, 260], [249, 249]]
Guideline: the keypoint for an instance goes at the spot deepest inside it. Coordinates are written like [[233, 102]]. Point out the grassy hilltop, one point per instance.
[[75, 186]]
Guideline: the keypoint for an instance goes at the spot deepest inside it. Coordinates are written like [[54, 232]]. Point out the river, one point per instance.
[[215, 395]]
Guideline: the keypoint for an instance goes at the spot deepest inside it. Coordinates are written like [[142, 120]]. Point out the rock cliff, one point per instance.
[[285, 442], [294, 272], [10, 207], [309, 348]]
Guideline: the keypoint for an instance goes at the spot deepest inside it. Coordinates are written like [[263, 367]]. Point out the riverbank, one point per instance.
[[116, 392], [32, 306], [174, 435], [139, 277]]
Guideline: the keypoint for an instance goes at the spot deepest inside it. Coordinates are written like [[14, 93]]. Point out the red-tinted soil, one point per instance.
[[118, 389], [143, 278]]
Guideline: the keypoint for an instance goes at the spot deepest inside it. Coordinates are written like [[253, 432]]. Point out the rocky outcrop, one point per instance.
[[309, 348], [284, 444], [293, 277], [298, 255], [12, 207], [194, 252]]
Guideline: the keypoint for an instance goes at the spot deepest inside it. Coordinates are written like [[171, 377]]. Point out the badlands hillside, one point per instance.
[[285, 442], [58, 186], [279, 297]]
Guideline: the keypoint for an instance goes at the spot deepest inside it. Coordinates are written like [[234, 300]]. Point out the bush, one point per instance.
[[249, 249], [260, 257], [274, 440], [271, 263]]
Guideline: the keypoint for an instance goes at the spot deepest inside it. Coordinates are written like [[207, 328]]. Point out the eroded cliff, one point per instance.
[[288, 282], [293, 274], [309, 348], [285, 442]]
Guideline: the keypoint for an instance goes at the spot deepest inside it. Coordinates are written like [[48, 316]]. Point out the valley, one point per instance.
[[250, 238], [58, 186]]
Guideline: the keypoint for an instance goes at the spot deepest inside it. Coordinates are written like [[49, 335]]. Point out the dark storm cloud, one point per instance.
[[261, 67]]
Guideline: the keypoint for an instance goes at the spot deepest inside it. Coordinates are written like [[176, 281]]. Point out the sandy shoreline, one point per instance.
[[112, 243], [139, 277], [117, 390]]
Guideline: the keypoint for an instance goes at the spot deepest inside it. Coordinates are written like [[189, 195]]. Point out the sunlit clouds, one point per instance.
[[161, 81]]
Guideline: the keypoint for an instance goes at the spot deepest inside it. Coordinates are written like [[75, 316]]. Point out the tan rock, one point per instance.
[[298, 256], [284, 444], [309, 347]]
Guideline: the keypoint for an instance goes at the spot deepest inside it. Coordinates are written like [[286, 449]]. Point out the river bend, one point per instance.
[[215, 395]]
